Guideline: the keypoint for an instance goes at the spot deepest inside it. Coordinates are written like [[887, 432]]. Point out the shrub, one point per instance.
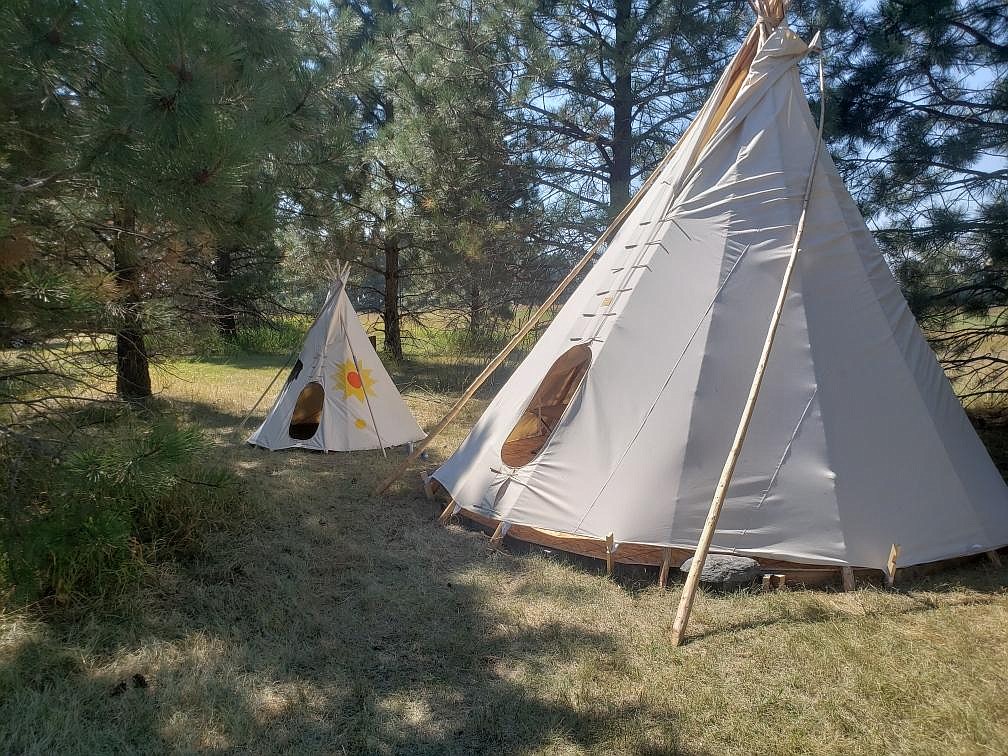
[[78, 518], [277, 337]]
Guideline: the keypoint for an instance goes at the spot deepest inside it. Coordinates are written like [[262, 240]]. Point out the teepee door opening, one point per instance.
[[542, 416], [307, 412]]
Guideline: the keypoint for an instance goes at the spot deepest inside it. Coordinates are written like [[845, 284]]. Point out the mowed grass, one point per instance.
[[332, 621]]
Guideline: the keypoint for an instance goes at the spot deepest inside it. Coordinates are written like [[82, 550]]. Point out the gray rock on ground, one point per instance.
[[726, 571]]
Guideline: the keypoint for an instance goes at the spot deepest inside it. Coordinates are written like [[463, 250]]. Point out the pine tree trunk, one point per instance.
[[132, 364], [393, 335], [224, 315], [619, 177], [475, 307]]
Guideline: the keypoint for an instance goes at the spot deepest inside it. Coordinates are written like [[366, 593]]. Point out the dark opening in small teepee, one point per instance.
[[307, 412]]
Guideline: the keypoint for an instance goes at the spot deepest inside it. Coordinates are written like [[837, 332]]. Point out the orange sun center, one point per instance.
[[353, 381]]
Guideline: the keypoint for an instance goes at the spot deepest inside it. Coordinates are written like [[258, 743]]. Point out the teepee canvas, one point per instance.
[[338, 396], [616, 426]]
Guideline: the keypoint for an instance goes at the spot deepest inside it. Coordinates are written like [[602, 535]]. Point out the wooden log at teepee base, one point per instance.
[[806, 575], [721, 491]]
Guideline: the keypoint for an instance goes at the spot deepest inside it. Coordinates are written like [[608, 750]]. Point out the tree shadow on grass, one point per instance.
[[244, 360], [331, 621]]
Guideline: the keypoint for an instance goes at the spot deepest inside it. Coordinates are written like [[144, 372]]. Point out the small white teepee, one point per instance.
[[616, 426], [338, 396]]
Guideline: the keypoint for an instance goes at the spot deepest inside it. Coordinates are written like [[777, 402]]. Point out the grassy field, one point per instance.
[[326, 620]]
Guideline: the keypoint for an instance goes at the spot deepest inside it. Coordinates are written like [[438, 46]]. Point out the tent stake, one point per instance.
[[480, 379], [609, 549], [721, 491], [498, 535], [665, 566], [847, 576], [446, 515], [890, 578]]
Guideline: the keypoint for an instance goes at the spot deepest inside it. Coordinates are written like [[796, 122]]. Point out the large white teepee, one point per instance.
[[338, 396], [621, 417]]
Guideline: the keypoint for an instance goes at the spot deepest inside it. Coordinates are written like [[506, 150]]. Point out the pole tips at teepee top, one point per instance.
[[816, 44], [769, 12]]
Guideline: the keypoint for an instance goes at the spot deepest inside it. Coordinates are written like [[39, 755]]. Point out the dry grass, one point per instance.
[[335, 622]]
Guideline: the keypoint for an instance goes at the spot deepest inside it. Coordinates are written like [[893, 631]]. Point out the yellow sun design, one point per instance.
[[360, 424], [354, 383]]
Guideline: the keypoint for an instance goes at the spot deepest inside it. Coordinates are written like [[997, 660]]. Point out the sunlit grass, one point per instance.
[[332, 621], [981, 383]]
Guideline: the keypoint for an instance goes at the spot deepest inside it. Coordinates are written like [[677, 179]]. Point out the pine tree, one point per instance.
[[477, 210], [608, 87], [438, 208], [921, 111], [150, 135]]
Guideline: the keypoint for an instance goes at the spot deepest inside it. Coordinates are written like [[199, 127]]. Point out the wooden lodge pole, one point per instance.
[[721, 491], [262, 396]]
